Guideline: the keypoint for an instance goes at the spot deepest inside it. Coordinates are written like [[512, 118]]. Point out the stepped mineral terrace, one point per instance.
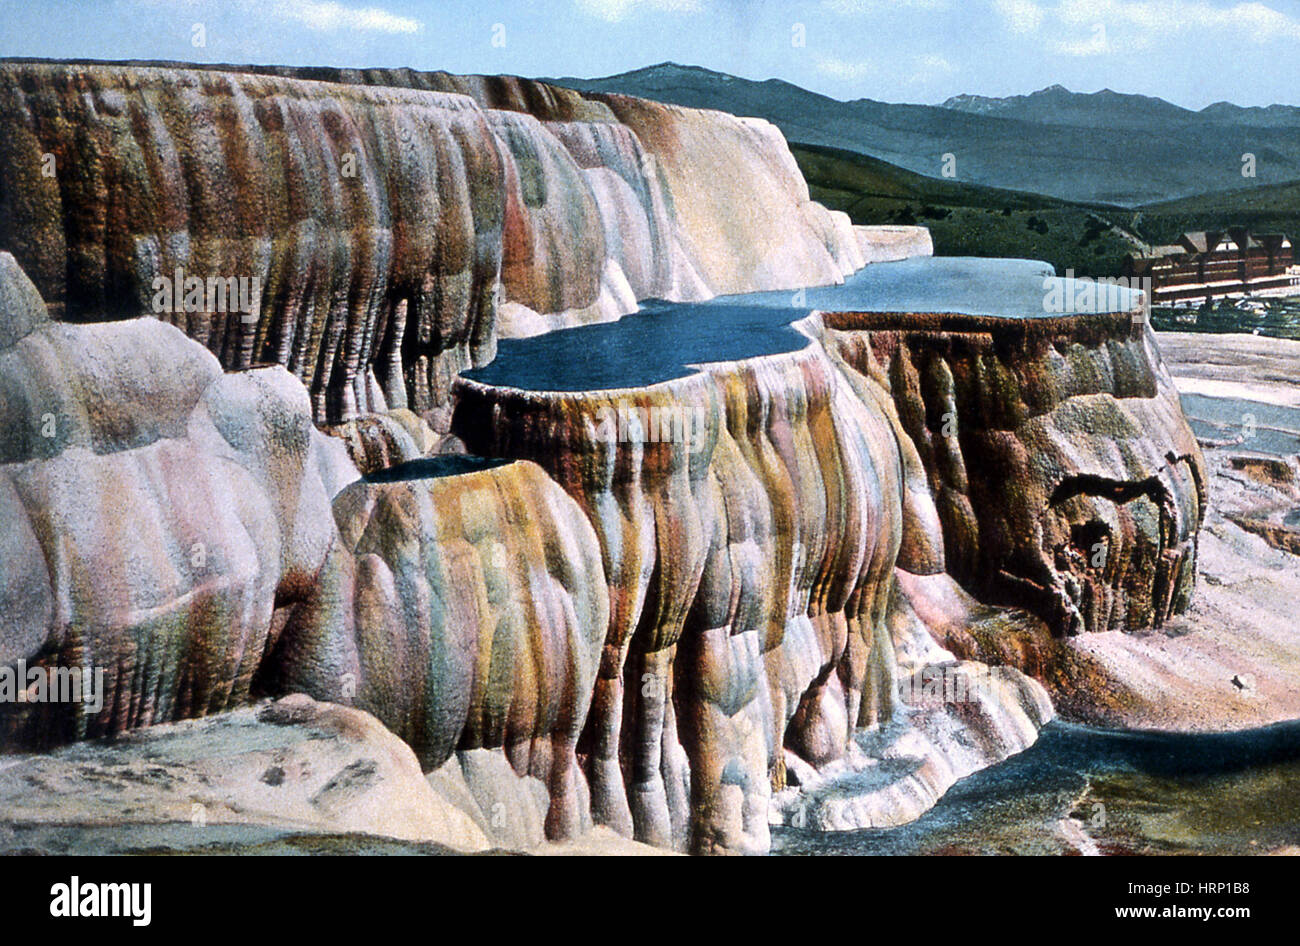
[[793, 555]]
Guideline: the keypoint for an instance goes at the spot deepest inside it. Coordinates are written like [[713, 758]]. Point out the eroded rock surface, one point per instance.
[[396, 222], [670, 609], [884, 244], [376, 441], [480, 615], [751, 517], [165, 522], [1065, 475]]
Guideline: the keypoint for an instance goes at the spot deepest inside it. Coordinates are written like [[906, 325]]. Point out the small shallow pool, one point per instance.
[[435, 467]]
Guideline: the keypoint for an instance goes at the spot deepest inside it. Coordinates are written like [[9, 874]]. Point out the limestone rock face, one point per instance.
[[750, 517], [480, 615], [726, 178], [679, 610], [165, 521], [671, 609], [377, 441], [510, 809], [190, 535], [885, 244], [646, 607], [389, 224], [372, 218], [1065, 475], [20, 302]]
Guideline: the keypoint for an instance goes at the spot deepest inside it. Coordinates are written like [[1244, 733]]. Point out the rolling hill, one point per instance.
[[970, 219], [1105, 147], [1271, 208]]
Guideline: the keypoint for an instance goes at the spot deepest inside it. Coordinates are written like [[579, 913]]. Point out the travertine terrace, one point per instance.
[[683, 639]]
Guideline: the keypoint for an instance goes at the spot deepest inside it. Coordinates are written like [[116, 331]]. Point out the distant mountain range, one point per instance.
[[1104, 147], [1057, 105]]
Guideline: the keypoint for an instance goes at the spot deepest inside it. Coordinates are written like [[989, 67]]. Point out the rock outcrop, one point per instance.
[[192, 535], [1064, 473], [752, 516], [1229, 661], [643, 636], [250, 775], [164, 522], [388, 225], [480, 616], [285, 776], [376, 441], [886, 244]]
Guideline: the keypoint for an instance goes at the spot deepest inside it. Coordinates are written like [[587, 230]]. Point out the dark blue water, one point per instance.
[[1263, 428], [655, 344], [662, 339], [433, 467], [1141, 792]]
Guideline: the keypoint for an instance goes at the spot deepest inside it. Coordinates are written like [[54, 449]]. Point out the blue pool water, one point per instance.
[[427, 468], [660, 341]]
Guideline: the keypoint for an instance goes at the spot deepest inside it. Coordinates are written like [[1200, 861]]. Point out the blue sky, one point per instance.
[[1192, 52]]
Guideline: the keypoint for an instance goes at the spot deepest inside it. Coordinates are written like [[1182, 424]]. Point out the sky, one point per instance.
[[1191, 52]]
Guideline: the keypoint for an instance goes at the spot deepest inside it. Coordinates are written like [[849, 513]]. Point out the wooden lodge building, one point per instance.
[[1205, 264]]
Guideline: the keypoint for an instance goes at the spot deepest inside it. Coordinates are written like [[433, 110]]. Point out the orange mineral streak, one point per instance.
[[397, 222], [750, 564]]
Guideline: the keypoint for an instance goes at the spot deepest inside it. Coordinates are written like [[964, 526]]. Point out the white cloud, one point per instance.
[[1096, 43], [322, 15], [932, 67], [846, 70], [851, 7], [1117, 25], [1021, 16], [328, 15], [614, 10], [1103, 27]]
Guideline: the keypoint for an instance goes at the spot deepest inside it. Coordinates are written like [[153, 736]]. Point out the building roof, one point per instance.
[[1196, 243], [1241, 236], [1201, 241]]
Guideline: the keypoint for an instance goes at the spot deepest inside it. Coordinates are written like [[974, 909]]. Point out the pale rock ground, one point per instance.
[[294, 775], [1231, 661], [887, 244], [1250, 367], [294, 765]]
